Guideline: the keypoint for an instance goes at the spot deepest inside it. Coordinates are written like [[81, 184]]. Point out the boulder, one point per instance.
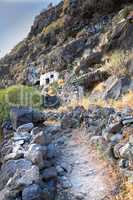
[[23, 115], [25, 128], [116, 87], [115, 128], [22, 136], [37, 154], [89, 80], [53, 129], [51, 101], [39, 138], [123, 163], [33, 192], [90, 61], [14, 156], [122, 151], [116, 138], [6, 194], [24, 178], [51, 151], [10, 167], [69, 122], [50, 173], [121, 37], [20, 116]]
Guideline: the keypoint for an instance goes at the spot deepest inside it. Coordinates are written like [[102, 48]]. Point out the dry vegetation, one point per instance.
[[117, 64], [54, 26]]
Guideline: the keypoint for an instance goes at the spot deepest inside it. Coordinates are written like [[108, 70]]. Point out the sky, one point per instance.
[[16, 18]]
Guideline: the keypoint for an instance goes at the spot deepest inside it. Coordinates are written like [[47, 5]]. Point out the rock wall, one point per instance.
[[27, 169], [111, 131]]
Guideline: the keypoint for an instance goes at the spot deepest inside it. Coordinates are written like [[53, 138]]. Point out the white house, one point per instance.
[[48, 78]]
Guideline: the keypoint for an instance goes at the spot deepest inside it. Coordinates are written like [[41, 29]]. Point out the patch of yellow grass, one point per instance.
[[117, 64], [55, 25], [99, 87], [125, 101]]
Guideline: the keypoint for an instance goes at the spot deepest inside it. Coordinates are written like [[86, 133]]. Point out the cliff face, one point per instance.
[[58, 38]]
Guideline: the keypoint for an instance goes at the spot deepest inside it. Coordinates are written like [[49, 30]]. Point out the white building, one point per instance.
[[48, 78]]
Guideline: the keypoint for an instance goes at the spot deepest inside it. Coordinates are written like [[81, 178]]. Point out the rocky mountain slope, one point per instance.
[[75, 31]]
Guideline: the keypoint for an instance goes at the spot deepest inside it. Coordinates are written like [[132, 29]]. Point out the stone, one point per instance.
[[37, 154], [90, 79], [51, 151], [14, 156], [24, 178], [106, 135], [69, 122], [49, 173], [125, 151], [25, 128], [96, 140], [131, 139], [5, 194], [52, 130], [60, 170], [116, 138], [65, 182], [33, 192], [115, 128], [51, 101], [122, 150], [90, 61], [20, 116], [123, 163], [116, 87], [35, 131], [22, 136], [9, 168], [127, 120], [24, 115], [39, 138]]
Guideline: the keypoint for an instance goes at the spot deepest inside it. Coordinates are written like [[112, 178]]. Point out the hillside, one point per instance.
[[72, 138], [62, 36]]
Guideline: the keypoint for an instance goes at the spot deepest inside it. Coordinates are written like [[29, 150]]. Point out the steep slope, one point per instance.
[[57, 38]]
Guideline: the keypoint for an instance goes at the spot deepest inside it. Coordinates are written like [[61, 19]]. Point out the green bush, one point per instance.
[[18, 96]]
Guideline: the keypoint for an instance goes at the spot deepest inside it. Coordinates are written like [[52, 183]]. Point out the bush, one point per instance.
[[18, 96]]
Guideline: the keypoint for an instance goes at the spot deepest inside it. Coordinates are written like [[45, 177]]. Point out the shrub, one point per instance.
[[117, 64], [18, 96]]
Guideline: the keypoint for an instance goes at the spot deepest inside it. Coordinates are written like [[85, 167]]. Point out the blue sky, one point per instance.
[[16, 18]]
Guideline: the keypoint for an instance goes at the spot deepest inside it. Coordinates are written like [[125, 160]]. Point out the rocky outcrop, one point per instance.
[[113, 88], [89, 80]]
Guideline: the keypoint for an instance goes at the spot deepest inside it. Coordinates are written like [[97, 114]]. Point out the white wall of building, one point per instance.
[[48, 78]]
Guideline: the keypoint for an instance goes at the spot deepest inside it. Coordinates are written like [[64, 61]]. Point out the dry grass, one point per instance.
[[99, 87], [56, 25], [117, 64], [65, 5], [125, 101]]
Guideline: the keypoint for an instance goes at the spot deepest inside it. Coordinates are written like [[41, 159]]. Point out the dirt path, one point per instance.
[[86, 177]]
